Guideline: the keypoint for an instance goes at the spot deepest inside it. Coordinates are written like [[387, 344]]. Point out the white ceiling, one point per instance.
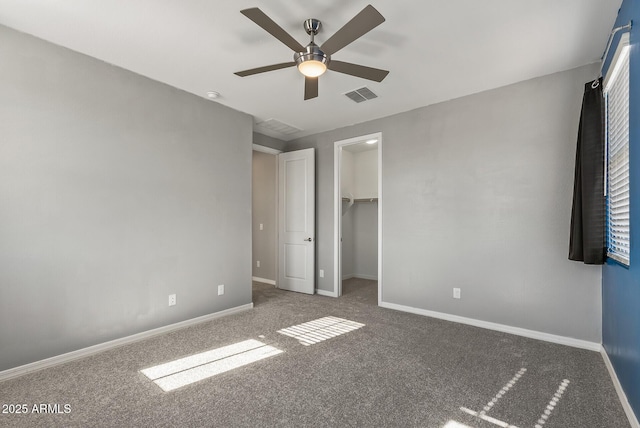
[[435, 50]]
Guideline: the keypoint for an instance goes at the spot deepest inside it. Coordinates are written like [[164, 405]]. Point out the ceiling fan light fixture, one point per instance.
[[313, 62], [312, 68]]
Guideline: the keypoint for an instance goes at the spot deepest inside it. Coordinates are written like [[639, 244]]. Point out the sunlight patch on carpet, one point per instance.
[[542, 420], [484, 417], [184, 371], [319, 330], [454, 424], [483, 413], [553, 403]]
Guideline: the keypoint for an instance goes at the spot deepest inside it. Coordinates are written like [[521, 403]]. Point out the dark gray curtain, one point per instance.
[[587, 242]]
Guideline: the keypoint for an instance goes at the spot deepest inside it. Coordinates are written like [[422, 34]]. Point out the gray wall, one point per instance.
[[477, 194], [115, 191], [264, 196], [347, 240], [365, 240], [360, 240]]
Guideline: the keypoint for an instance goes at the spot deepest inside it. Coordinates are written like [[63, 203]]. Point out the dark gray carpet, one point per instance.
[[399, 370], [360, 291]]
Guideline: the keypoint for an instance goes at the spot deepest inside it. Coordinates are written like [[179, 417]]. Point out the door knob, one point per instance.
[[309, 239]]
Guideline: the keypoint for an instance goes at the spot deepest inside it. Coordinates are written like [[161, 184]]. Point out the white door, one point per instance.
[[296, 237]]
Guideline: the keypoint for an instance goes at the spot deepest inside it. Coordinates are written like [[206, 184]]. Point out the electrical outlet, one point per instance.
[[261, 226], [220, 289], [456, 293], [321, 273], [172, 299], [258, 263]]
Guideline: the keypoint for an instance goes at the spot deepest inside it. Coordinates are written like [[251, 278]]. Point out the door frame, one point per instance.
[[275, 152], [337, 219]]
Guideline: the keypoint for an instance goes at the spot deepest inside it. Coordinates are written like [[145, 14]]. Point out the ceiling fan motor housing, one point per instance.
[[312, 53]]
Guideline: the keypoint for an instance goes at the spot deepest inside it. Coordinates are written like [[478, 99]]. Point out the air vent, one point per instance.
[[360, 95], [277, 126]]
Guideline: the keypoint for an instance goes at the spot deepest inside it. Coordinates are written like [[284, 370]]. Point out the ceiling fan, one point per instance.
[[313, 60]]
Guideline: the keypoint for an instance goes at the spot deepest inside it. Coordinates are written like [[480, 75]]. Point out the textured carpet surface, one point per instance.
[[399, 370]]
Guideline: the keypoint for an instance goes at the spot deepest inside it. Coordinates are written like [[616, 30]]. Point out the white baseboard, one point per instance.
[[633, 420], [91, 350], [359, 276], [562, 340], [325, 293], [263, 280], [371, 277]]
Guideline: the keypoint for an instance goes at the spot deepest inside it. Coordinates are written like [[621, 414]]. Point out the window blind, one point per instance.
[[617, 131]]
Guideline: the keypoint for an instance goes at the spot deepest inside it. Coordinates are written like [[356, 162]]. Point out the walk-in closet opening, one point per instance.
[[359, 222], [264, 213]]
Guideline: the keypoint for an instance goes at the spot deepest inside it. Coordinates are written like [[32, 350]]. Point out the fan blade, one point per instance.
[[310, 87], [369, 73], [260, 18], [368, 19], [264, 69]]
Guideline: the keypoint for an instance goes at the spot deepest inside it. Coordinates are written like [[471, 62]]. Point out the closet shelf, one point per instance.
[[360, 200]]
